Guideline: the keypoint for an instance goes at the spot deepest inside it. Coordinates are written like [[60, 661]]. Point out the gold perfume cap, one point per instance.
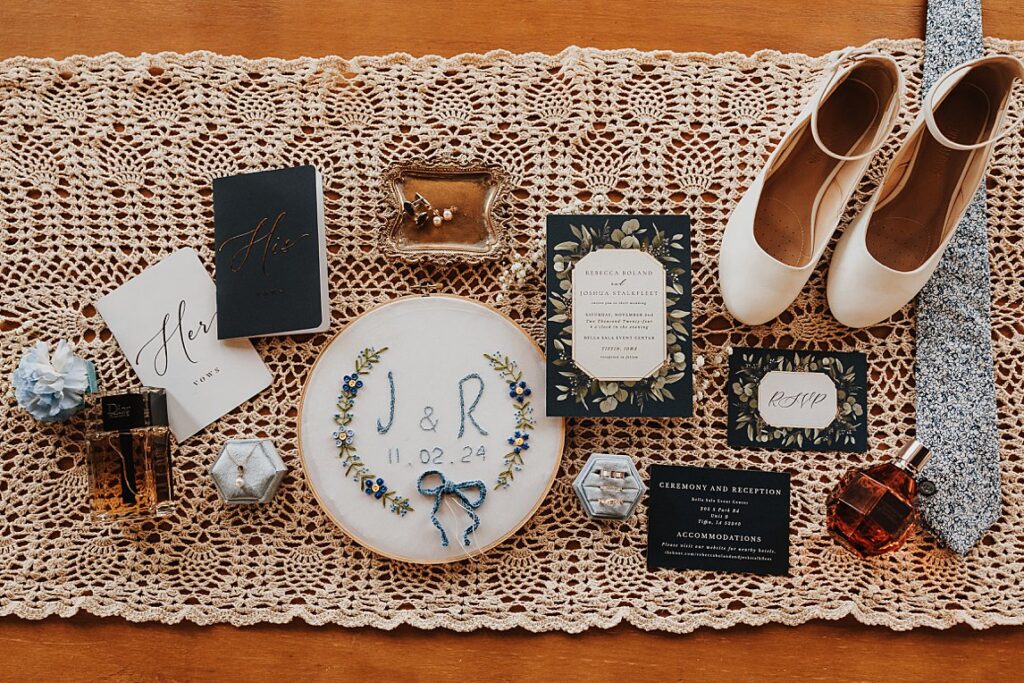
[[913, 456]]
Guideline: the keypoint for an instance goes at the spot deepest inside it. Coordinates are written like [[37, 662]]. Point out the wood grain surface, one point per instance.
[[89, 648]]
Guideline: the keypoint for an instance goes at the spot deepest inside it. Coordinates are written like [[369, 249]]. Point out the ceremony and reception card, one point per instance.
[[802, 400], [718, 519], [618, 316], [270, 253], [165, 321]]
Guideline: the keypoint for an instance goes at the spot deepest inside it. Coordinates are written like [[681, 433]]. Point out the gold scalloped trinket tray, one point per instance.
[[470, 193]]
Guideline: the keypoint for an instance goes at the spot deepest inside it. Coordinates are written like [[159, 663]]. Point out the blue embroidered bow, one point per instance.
[[454, 489]]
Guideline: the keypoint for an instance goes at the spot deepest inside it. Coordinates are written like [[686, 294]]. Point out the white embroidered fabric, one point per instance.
[[105, 167]]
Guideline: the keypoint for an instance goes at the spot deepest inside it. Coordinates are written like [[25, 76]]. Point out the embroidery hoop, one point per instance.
[[532, 491]]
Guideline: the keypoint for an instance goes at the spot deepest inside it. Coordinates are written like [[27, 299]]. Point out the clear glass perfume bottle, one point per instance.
[[871, 511], [130, 473]]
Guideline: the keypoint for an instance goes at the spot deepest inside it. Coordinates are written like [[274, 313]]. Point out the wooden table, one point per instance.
[[89, 648]]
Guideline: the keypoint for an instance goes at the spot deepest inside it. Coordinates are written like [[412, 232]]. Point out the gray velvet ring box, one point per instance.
[[248, 471], [609, 486]]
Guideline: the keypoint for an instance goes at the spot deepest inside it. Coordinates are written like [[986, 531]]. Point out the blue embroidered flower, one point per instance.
[[352, 384], [519, 391], [344, 437], [52, 388], [375, 488], [519, 441]]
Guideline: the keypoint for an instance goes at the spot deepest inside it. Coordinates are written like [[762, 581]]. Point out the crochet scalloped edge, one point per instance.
[[578, 623], [471, 58]]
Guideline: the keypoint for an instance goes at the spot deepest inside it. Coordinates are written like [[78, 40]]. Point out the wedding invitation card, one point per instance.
[[804, 400], [270, 253], [618, 316], [718, 519], [165, 321]]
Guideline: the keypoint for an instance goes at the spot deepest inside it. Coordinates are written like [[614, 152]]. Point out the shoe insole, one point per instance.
[[782, 225], [909, 227]]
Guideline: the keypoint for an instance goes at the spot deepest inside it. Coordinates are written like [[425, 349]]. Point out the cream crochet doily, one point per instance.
[[105, 167]]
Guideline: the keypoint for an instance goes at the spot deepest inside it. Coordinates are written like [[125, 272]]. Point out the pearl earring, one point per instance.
[[444, 216]]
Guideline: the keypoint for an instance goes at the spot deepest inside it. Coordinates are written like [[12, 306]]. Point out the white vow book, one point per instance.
[[165, 320]]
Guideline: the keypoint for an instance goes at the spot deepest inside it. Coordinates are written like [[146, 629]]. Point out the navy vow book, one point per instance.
[[270, 253]]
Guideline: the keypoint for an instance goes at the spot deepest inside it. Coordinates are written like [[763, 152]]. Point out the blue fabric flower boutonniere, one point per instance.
[[52, 388]]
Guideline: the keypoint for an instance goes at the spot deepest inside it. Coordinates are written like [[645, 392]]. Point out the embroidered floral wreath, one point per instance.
[[519, 392]]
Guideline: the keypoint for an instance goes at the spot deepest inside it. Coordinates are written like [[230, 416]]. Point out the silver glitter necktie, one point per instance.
[[956, 407]]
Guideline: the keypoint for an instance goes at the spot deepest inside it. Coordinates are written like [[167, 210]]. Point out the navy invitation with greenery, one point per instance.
[[802, 400], [618, 316]]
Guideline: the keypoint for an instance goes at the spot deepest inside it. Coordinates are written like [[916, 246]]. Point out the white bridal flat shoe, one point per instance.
[[784, 221], [891, 249]]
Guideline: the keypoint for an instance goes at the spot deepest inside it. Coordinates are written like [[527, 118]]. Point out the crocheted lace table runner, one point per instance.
[[105, 167]]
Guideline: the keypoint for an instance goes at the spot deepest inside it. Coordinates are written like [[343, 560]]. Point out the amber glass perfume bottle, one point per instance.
[[130, 473], [872, 511]]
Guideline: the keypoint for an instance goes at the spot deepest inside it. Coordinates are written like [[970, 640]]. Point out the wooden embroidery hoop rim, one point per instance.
[[462, 556]]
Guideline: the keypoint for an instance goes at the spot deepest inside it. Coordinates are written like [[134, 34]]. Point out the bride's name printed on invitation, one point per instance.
[[719, 519], [165, 320]]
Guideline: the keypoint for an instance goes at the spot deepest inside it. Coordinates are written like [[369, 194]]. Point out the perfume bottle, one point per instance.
[[872, 511], [129, 455]]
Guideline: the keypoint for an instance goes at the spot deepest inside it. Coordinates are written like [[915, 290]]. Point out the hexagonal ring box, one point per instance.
[[247, 471], [609, 486]]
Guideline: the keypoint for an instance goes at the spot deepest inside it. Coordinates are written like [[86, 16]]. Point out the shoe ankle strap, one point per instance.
[[959, 71], [852, 55]]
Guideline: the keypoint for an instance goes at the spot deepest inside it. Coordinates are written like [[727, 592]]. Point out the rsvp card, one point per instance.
[[618, 316], [718, 519], [804, 400], [165, 321]]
